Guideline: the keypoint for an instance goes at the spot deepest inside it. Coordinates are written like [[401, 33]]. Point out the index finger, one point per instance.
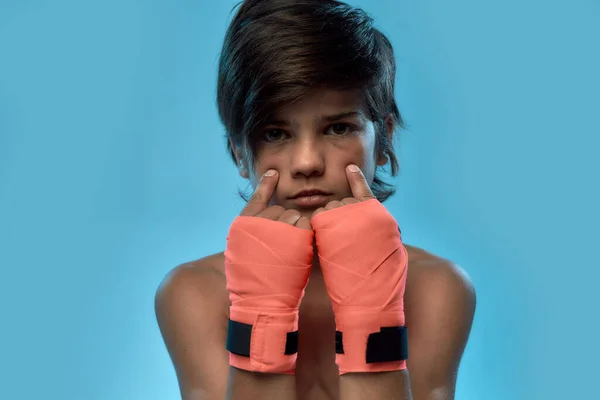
[[262, 194], [358, 184]]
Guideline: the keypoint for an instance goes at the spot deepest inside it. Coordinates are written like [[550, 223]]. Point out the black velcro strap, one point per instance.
[[291, 344], [389, 344], [239, 336], [339, 343]]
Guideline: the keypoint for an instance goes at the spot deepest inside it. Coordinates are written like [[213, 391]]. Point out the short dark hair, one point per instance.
[[277, 51]]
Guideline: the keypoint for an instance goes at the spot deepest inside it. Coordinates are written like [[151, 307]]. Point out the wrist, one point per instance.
[[371, 341], [263, 342]]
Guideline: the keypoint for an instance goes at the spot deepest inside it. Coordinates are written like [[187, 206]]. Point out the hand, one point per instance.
[[258, 205], [267, 265], [360, 190], [364, 266]]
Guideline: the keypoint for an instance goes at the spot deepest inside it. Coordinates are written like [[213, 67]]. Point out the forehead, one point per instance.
[[324, 102]]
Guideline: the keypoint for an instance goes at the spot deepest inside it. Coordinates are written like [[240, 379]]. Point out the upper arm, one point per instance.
[[191, 321], [442, 306]]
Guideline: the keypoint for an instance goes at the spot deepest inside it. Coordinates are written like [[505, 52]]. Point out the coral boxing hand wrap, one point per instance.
[[267, 265], [364, 266]]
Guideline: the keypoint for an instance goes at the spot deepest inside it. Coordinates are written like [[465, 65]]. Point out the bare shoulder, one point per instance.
[[201, 277], [209, 267], [440, 306], [191, 305], [192, 281], [431, 276]]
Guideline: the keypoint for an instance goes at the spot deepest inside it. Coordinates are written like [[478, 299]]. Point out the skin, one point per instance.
[[311, 152], [192, 304]]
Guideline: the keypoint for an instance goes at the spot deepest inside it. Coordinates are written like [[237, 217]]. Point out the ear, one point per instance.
[[389, 126], [240, 161]]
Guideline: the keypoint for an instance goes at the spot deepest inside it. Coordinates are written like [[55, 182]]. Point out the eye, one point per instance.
[[273, 135], [339, 129]]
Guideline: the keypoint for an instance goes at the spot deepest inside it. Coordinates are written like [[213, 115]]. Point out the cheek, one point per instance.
[[264, 162], [361, 152]]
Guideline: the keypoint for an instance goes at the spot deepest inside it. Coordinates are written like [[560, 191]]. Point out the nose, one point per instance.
[[307, 158]]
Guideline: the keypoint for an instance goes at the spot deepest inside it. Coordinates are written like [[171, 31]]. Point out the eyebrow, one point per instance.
[[328, 118], [337, 117]]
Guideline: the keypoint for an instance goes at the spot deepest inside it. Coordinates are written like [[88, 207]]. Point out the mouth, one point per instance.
[[311, 198]]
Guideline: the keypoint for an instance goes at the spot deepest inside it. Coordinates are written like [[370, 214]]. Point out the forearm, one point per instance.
[[245, 385], [375, 386]]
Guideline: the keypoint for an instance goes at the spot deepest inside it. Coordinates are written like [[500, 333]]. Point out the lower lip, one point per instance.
[[318, 200]]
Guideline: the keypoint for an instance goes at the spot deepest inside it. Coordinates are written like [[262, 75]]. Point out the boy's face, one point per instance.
[[311, 142]]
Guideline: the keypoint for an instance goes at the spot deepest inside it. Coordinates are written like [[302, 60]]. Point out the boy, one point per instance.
[[313, 298]]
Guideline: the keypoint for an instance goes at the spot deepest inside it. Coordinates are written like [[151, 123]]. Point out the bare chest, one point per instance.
[[316, 372]]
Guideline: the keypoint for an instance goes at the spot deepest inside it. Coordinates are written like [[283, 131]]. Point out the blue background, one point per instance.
[[113, 170]]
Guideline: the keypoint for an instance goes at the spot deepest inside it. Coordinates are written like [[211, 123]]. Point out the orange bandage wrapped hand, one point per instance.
[[267, 264], [267, 267], [364, 266]]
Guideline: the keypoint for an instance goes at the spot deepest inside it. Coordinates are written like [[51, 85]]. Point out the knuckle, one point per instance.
[[277, 209], [273, 212], [291, 214], [304, 222], [319, 211], [367, 195], [333, 204], [257, 197]]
